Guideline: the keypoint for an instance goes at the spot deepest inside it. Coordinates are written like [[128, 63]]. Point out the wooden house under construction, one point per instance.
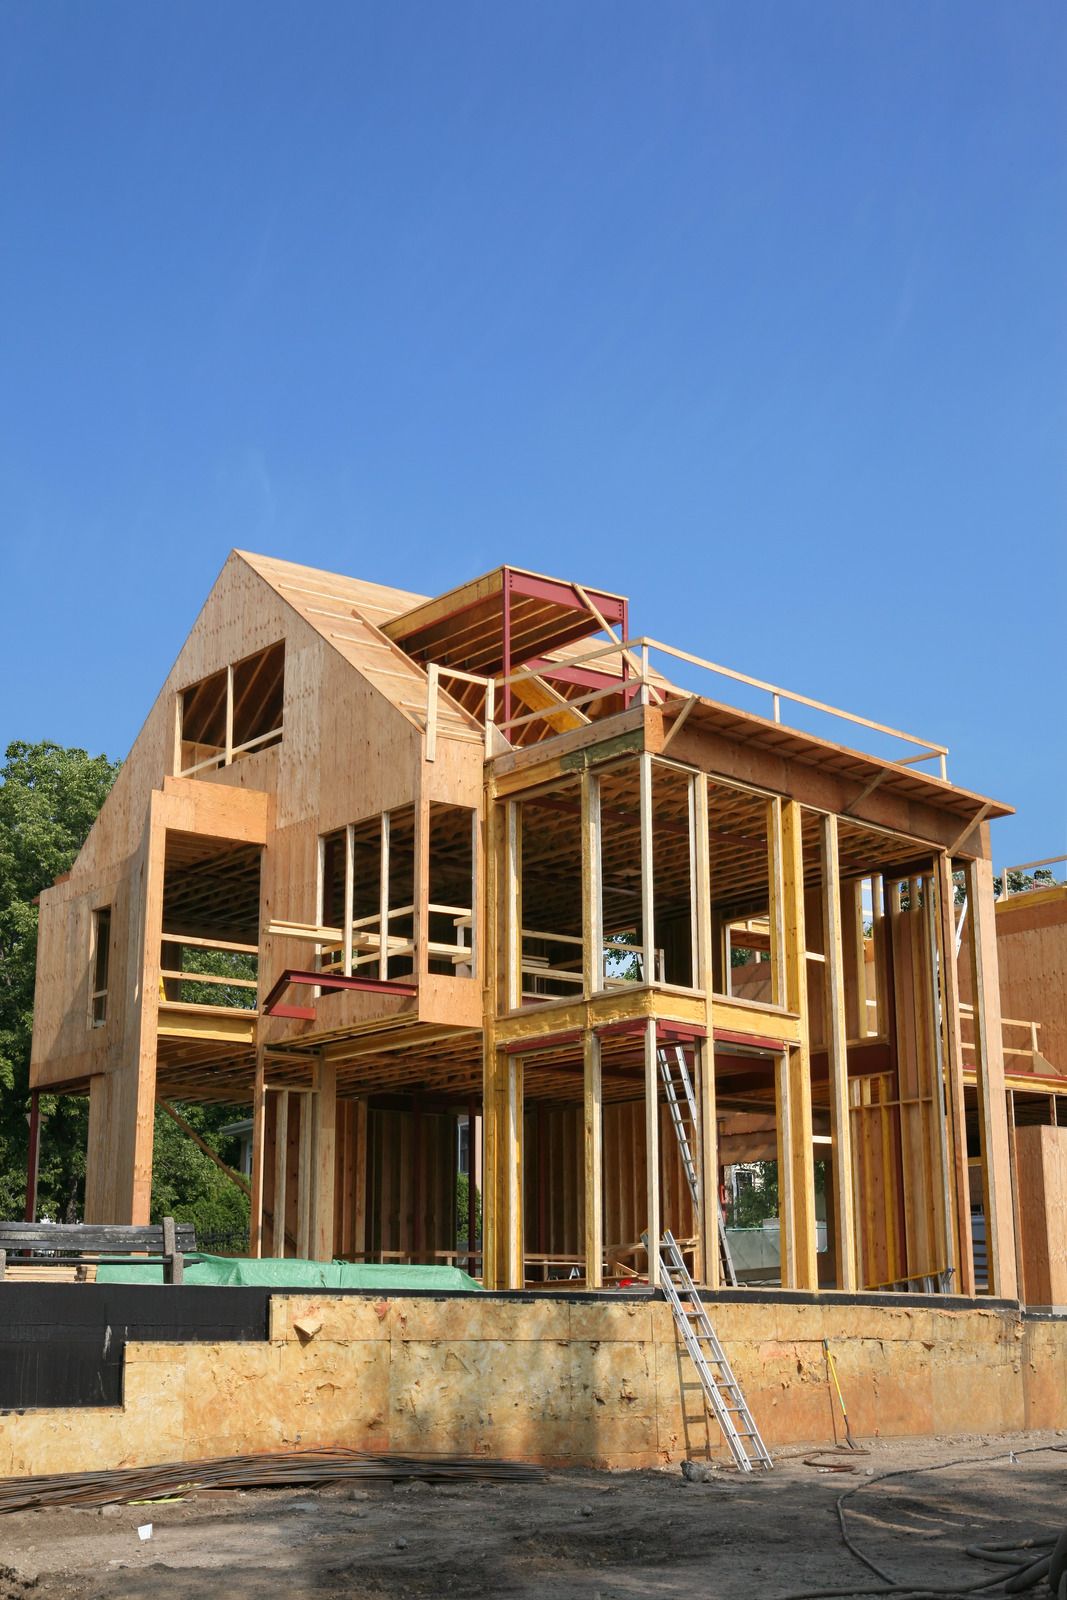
[[380, 865]]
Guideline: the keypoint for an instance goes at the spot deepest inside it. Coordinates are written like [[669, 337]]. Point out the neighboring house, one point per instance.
[[378, 863]]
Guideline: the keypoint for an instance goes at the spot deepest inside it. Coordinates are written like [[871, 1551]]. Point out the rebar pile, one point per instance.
[[289, 1467]]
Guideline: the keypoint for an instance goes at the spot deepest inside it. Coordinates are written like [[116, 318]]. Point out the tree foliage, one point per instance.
[[49, 797]]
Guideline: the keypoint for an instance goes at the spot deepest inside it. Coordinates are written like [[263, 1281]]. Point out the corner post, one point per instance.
[[989, 1074], [797, 1173], [836, 1037], [953, 1072], [259, 1132], [652, 1149], [708, 1143]]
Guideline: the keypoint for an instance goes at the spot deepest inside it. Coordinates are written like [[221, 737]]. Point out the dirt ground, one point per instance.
[[573, 1536]]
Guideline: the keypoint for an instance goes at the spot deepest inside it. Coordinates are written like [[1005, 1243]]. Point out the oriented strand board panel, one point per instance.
[[1032, 953], [1041, 1172]]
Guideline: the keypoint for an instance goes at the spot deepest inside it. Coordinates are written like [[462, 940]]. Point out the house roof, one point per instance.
[[349, 614]]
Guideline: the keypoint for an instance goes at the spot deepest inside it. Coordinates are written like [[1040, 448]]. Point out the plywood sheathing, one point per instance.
[[570, 1383]]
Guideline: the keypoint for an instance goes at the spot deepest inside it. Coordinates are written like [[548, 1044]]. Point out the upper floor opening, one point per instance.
[[232, 713]]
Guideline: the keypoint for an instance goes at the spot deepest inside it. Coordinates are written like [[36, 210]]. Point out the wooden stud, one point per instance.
[[707, 1223], [323, 1175], [592, 894], [836, 1036], [652, 1151], [592, 1106], [943, 1199], [648, 916], [383, 901], [799, 1172], [989, 1071], [281, 1169], [350, 897]]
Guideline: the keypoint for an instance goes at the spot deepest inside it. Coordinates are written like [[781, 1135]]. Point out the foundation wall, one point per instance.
[[563, 1381]]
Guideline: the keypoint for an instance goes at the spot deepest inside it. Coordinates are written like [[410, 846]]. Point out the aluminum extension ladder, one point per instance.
[[679, 1090], [722, 1391]]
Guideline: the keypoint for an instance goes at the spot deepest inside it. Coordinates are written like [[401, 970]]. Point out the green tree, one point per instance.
[[49, 797], [463, 1187], [186, 1184]]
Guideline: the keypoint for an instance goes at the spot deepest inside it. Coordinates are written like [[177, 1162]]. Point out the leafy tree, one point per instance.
[[186, 1184], [49, 797], [463, 1209]]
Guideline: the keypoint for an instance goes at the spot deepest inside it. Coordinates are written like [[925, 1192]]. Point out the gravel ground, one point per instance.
[[573, 1536]]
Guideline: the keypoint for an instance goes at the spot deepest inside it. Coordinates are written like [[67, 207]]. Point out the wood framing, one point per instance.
[[382, 867]]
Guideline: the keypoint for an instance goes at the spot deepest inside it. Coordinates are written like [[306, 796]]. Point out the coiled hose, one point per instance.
[[1043, 1558]]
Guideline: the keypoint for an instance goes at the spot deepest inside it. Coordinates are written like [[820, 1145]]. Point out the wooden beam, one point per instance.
[[798, 1172], [325, 1161], [836, 1036], [652, 1149], [359, 1178], [952, 1062], [943, 1197], [707, 1151], [259, 1129], [592, 899], [279, 1206], [593, 1125], [648, 909], [989, 1067]]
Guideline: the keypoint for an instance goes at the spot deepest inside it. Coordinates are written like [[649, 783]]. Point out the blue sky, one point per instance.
[[757, 312]]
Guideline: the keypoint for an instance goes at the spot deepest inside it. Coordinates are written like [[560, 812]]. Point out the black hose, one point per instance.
[[1055, 1564]]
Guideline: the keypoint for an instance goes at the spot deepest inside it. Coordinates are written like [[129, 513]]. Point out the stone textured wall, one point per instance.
[[554, 1380]]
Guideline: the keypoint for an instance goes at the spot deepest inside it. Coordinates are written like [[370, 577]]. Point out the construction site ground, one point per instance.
[[576, 1535]]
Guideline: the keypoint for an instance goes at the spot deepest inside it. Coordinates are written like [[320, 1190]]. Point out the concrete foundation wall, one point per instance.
[[557, 1380]]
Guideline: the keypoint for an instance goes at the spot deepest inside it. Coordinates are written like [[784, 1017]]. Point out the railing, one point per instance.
[[540, 971], [231, 979], [364, 945], [222, 755], [1047, 882], [1031, 1029], [635, 678]]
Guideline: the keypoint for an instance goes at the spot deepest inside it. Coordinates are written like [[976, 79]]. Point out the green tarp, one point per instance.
[[293, 1274]]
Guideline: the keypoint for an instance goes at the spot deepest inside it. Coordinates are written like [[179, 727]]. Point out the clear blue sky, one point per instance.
[[755, 311]]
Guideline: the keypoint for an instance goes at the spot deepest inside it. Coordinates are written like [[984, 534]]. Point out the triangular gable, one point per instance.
[[348, 614]]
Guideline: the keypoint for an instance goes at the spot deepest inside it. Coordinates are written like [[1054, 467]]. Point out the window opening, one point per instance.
[[101, 964], [450, 912], [233, 713]]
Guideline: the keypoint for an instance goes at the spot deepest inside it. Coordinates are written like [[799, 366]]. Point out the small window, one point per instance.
[[101, 958]]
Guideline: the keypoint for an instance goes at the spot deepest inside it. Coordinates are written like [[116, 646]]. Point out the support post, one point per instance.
[[325, 1161], [513, 904], [281, 1171], [652, 1149], [648, 908], [383, 902], [594, 1184], [989, 1073], [350, 895], [952, 1057], [592, 913], [259, 1130], [798, 1173], [359, 1179], [704, 979], [836, 1037]]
